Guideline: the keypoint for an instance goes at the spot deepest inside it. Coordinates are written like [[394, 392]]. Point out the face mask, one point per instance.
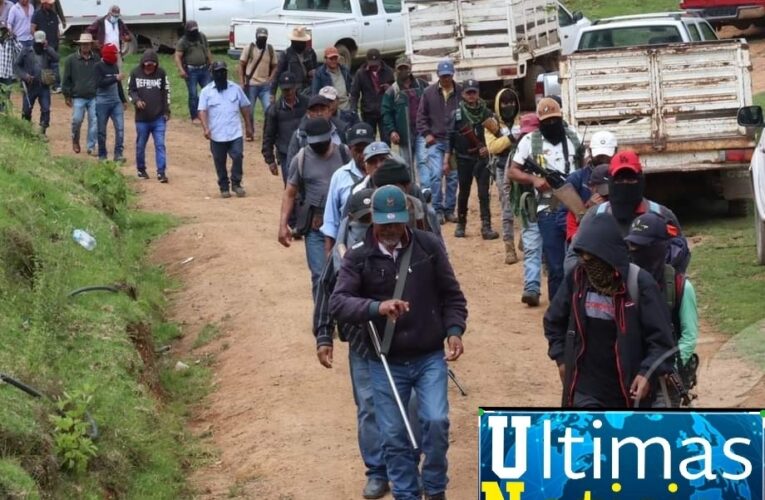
[[320, 148], [357, 230], [114, 19], [403, 74], [552, 131], [192, 35], [299, 46], [220, 78], [651, 258], [625, 198], [508, 112], [260, 42], [39, 47], [601, 275]]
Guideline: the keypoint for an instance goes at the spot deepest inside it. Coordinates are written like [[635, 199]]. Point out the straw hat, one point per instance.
[[300, 34], [85, 38]]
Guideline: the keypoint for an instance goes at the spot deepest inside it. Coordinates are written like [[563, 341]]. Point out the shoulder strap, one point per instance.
[[398, 292], [300, 167], [536, 144], [344, 154], [257, 63], [632, 284], [670, 292]]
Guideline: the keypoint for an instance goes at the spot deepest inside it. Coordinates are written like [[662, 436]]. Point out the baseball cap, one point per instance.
[[376, 149], [470, 84], [39, 36], [329, 93], [625, 160], [287, 80], [330, 52], [603, 142], [392, 171], [389, 206], [192, 26], [548, 108], [599, 175], [318, 100], [373, 56], [318, 130], [648, 229], [403, 60], [360, 204], [360, 133], [261, 32], [219, 65], [445, 67], [529, 123]]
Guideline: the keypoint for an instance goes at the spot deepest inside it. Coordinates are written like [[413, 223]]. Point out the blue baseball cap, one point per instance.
[[647, 229], [376, 149], [445, 67], [389, 206]]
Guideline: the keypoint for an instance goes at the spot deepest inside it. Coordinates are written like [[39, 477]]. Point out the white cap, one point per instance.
[[603, 143], [328, 92], [40, 36]]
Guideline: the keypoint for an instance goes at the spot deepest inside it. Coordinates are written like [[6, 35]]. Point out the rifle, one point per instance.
[[562, 191]]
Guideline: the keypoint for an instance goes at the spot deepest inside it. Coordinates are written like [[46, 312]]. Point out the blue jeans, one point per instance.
[[370, 441], [220, 153], [315, 256], [434, 171], [39, 93], [79, 107], [56, 73], [200, 77], [532, 258], [259, 92], [112, 110], [27, 43], [428, 376], [552, 227], [157, 130]]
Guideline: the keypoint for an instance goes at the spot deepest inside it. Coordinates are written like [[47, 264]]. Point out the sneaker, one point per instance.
[[142, 174], [162, 178], [240, 192], [530, 298], [375, 488], [450, 217], [225, 194]]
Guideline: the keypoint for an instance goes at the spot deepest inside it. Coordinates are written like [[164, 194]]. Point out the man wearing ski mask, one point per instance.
[[299, 59], [257, 67], [34, 68], [220, 104], [193, 59]]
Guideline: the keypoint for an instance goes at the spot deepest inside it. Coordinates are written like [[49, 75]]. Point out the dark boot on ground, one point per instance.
[[487, 232], [459, 231], [375, 488], [531, 299], [450, 217], [510, 256], [436, 496]]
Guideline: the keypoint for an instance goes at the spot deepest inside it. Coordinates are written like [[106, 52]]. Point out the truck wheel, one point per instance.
[[130, 47], [759, 235], [529, 86], [345, 55], [738, 208]]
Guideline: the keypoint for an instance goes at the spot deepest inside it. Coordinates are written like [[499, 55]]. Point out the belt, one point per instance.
[[192, 66]]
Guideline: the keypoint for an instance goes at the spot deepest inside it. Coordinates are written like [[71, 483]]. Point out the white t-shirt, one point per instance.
[[553, 157], [111, 33]]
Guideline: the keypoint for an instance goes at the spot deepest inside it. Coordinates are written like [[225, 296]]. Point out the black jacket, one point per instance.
[[106, 78], [644, 333], [280, 123], [27, 65], [291, 61], [152, 89], [459, 143], [79, 76], [435, 112], [371, 97], [438, 307]]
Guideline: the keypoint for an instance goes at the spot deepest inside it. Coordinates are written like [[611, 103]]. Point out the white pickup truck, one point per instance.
[[751, 116], [160, 22], [353, 26], [676, 105]]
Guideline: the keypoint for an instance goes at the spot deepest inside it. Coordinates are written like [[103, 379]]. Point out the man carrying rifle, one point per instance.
[[555, 148], [401, 281]]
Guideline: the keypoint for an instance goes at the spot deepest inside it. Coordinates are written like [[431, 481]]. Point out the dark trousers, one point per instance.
[[220, 152], [552, 227], [375, 120], [467, 170], [115, 112], [41, 94], [196, 77]]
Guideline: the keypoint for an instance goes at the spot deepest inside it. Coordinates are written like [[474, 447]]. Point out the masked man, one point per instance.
[[193, 59], [257, 68], [299, 59], [34, 67]]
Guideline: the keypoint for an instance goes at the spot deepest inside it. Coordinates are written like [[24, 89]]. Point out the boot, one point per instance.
[[459, 232], [487, 232], [510, 256]]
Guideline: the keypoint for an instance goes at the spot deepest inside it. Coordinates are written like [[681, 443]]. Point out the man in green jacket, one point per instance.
[[79, 89], [399, 115]]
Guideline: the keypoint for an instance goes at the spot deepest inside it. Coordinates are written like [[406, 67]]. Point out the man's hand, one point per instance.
[[124, 106], [562, 372], [285, 235], [182, 73], [324, 353], [395, 138], [640, 388], [28, 79], [454, 348], [120, 77], [167, 117], [273, 169], [68, 101], [483, 152], [446, 167], [540, 184], [250, 132], [595, 199], [140, 104], [393, 308], [430, 140], [207, 134]]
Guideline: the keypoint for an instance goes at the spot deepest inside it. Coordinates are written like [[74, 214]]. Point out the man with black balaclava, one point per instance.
[[220, 104], [299, 59], [34, 67], [467, 144], [618, 350], [193, 59], [553, 146], [500, 143], [257, 67], [10, 48], [46, 19]]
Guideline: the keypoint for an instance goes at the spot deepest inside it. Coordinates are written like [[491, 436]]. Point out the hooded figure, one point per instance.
[[620, 344]]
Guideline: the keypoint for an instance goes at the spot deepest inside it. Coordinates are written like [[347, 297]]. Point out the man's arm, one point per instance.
[[52, 54], [556, 321], [281, 67], [423, 117], [166, 95], [332, 215], [346, 304], [133, 90], [202, 115], [388, 112], [178, 57], [355, 91], [454, 304], [689, 323], [125, 33], [656, 325], [288, 204], [323, 323], [67, 84], [243, 70], [244, 110], [20, 69], [270, 129], [60, 12]]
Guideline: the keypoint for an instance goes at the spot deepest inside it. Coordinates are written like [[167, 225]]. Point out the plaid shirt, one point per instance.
[[9, 50]]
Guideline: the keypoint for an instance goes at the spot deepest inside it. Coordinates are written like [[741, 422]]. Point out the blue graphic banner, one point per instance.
[[620, 455]]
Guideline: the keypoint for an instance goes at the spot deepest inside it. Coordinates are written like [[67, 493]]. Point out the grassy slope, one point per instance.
[[60, 344], [598, 9]]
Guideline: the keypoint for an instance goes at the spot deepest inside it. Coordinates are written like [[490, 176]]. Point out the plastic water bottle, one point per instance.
[[84, 239]]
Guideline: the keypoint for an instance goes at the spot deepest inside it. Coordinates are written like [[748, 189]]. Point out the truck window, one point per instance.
[[368, 7], [339, 6], [693, 31], [707, 31], [392, 6], [630, 36], [564, 18]]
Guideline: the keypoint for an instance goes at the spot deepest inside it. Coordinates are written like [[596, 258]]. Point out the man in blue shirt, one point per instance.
[[220, 104], [358, 137]]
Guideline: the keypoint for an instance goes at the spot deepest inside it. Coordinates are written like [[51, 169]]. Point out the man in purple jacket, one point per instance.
[[431, 309]]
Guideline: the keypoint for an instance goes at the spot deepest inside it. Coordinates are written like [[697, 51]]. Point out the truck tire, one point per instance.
[[738, 208], [529, 86], [130, 47], [759, 236], [346, 56]]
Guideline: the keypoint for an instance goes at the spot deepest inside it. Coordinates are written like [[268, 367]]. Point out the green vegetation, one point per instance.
[[759, 99], [208, 333], [598, 9], [95, 351]]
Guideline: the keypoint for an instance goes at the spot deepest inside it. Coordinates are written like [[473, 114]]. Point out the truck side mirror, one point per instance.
[[750, 116], [577, 16]]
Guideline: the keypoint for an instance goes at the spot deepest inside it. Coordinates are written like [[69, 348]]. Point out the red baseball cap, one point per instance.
[[626, 159]]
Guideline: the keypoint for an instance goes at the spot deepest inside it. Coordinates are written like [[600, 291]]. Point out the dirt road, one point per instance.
[[284, 425]]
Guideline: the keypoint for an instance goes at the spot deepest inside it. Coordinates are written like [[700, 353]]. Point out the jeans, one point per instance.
[[506, 205], [79, 107], [467, 170], [201, 77], [552, 227], [375, 120], [259, 92], [315, 256], [220, 152], [434, 172], [112, 110], [532, 258], [27, 43], [427, 375], [370, 441], [39, 93], [156, 129]]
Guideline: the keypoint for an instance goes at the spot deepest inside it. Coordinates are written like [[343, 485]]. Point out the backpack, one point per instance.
[[537, 142], [674, 287]]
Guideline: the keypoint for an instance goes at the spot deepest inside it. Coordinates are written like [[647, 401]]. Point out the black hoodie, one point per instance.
[[153, 89], [640, 336]]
